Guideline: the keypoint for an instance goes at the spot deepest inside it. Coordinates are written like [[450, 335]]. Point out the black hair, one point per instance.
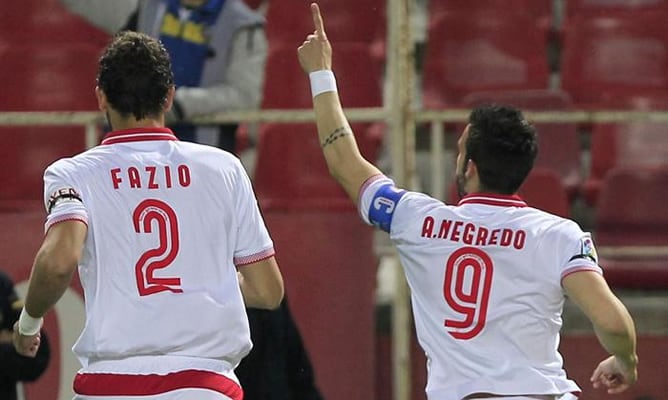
[[503, 145], [135, 74]]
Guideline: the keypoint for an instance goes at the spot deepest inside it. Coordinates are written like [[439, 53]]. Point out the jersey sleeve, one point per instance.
[[62, 198], [579, 252], [253, 241]]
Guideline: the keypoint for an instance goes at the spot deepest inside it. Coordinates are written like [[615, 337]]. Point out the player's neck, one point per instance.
[[119, 123]]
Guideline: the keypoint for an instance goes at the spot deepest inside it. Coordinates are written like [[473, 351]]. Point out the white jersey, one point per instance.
[[168, 223], [485, 279]]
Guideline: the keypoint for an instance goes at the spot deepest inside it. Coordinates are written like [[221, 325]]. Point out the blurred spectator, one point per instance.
[[218, 50], [15, 368]]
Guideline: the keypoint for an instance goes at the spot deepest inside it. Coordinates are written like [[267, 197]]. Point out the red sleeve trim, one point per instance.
[[64, 218], [366, 184], [580, 268], [253, 258]]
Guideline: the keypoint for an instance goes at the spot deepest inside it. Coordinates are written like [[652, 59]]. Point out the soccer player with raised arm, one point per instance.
[[488, 276], [169, 242]]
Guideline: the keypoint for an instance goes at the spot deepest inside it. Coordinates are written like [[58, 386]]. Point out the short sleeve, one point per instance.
[[253, 241], [579, 252], [62, 198]]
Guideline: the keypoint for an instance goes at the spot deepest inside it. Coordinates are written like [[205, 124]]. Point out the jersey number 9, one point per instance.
[[468, 279]]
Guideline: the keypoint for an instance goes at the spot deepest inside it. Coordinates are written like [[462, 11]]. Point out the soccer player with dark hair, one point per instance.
[[169, 241], [489, 275]]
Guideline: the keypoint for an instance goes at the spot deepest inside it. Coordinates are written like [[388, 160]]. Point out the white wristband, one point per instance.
[[29, 326], [322, 81]]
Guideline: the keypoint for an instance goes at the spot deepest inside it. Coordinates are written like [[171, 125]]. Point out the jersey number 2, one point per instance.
[[144, 215], [468, 279]]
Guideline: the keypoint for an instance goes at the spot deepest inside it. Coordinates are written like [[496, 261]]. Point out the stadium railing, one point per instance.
[[435, 119]]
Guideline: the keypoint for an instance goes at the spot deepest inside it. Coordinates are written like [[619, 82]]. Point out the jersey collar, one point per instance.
[[489, 199], [138, 135]]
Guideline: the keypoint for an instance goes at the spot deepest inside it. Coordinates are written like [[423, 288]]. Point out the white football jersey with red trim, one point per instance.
[[485, 279], [168, 222]]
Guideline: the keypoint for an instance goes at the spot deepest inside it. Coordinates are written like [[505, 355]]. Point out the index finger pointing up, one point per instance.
[[317, 20]]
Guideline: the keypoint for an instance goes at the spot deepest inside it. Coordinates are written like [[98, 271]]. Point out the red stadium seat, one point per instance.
[[559, 143], [616, 55], [26, 152], [291, 171], [286, 85], [49, 77], [631, 209], [289, 22], [327, 262], [540, 10], [290, 167], [42, 77], [542, 189], [638, 144], [636, 272], [45, 21], [482, 52], [579, 7]]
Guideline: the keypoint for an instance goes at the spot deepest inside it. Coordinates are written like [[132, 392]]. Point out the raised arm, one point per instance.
[[339, 147], [613, 326]]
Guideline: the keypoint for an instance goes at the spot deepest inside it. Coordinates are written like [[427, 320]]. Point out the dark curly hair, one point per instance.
[[135, 73], [503, 145]]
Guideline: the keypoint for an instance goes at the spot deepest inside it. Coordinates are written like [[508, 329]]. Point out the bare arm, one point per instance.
[[261, 284], [54, 265], [339, 147], [613, 326], [52, 271]]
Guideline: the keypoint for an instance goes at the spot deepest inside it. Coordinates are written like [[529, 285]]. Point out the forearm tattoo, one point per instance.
[[337, 134]]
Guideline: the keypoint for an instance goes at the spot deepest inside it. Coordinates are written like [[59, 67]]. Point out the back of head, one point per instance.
[[135, 74], [503, 145]]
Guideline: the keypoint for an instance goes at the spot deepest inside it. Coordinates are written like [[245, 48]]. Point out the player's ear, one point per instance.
[[169, 99], [102, 103], [471, 169]]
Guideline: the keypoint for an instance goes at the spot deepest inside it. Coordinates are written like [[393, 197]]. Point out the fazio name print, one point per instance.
[[150, 177]]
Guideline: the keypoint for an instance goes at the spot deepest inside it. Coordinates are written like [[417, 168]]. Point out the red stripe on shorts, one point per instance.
[[108, 384]]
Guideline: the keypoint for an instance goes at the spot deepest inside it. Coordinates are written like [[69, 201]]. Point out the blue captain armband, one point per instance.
[[383, 205]]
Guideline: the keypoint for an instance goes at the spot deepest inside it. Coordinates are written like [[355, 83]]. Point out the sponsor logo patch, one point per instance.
[[587, 248]]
